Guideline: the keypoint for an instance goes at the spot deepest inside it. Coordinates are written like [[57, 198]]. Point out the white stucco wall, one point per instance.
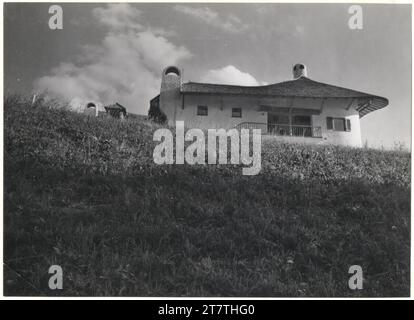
[[219, 111], [337, 108]]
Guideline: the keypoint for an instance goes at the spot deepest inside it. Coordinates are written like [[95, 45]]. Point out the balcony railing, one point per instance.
[[283, 129]]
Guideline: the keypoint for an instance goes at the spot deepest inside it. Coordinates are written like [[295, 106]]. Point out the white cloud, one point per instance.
[[118, 16], [232, 24], [231, 75], [124, 68]]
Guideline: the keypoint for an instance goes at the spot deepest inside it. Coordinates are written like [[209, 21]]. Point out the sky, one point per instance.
[[116, 52]]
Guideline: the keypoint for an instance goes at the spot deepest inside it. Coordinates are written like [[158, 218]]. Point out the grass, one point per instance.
[[85, 194]]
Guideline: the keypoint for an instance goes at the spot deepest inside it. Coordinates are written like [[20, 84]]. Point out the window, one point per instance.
[[202, 110], [278, 119], [236, 112], [293, 125], [302, 120], [338, 124]]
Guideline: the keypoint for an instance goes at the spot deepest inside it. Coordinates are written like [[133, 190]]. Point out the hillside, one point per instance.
[[84, 193]]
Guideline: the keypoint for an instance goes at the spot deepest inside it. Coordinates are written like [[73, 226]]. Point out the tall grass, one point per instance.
[[85, 194]]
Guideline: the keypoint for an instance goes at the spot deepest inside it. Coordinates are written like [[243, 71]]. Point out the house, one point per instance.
[[300, 110], [116, 111]]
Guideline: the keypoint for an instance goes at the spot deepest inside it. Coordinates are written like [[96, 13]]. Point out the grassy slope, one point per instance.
[[85, 194]]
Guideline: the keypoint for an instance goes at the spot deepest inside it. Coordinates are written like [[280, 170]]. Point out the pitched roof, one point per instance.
[[116, 105], [301, 87]]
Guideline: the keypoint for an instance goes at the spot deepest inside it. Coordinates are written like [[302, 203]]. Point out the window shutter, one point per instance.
[[348, 125], [329, 124]]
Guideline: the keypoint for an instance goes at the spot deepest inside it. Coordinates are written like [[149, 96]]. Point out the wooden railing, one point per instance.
[[283, 129]]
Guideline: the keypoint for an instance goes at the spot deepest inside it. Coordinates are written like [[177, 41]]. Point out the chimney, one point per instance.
[[171, 79], [299, 70], [170, 95]]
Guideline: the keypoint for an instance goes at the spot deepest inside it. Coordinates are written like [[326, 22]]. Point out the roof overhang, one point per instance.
[[372, 104], [299, 88], [302, 111]]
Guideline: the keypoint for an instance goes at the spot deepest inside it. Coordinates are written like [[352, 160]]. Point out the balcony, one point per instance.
[[283, 129]]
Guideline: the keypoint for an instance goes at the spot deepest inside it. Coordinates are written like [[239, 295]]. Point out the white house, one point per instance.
[[299, 110]]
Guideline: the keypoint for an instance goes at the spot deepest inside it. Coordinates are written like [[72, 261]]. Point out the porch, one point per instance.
[[287, 130]]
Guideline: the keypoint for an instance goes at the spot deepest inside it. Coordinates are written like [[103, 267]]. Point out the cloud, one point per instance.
[[231, 75], [232, 24], [118, 16], [124, 68], [300, 29]]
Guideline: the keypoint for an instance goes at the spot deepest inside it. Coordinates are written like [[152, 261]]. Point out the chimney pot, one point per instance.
[[299, 70]]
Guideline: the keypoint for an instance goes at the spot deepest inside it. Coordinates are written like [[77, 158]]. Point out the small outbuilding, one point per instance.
[[116, 111]]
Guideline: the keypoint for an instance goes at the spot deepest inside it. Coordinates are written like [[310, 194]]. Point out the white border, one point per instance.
[[2, 297]]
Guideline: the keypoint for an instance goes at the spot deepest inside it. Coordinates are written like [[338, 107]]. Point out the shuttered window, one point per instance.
[[338, 124], [202, 110], [236, 112]]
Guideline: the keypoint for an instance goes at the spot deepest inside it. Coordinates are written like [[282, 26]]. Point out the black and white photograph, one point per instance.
[[206, 150]]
